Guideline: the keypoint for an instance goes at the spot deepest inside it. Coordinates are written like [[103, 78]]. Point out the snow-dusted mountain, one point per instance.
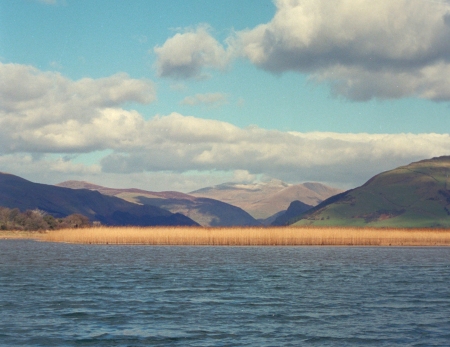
[[264, 199]]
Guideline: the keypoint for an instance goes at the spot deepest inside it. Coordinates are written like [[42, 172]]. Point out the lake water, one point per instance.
[[78, 295]]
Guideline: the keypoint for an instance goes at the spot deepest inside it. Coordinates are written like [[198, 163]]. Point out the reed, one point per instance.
[[242, 236]]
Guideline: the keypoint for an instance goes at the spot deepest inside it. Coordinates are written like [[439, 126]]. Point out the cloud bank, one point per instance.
[[181, 143], [44, 116], [363, 49]]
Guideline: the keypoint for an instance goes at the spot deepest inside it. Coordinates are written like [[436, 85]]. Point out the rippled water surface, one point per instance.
[[75, 295]]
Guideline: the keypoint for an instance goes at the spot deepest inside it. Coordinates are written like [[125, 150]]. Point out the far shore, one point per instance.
[[240, 236], [20, 234]]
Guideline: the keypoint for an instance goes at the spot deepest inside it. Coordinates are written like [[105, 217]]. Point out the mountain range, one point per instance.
[[112, 206], [204, 211], [414, 195], [263, 200], [16, 192]]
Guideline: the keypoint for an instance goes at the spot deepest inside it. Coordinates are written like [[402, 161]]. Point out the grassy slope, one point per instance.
[[416, 195]]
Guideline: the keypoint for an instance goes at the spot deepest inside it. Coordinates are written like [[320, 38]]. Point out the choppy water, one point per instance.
[[74, 295]]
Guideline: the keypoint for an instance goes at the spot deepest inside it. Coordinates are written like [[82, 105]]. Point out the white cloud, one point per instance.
[[23, 87], [43, 113], [358, 83], [309, 34], [185, 55], [363, 48], [46, 112], [38, 168], [178, 143], [51, 170], [243, 176], [209, 99]]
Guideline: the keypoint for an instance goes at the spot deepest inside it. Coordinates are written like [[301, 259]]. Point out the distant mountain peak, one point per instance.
[[207, 212], [258, 185], [266, 198]]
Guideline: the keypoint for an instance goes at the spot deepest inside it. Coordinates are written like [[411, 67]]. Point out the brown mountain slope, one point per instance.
[[126, 194], [262, 200], [204, 211]]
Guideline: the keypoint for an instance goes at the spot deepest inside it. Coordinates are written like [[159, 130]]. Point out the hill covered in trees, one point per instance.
[[35, 220]]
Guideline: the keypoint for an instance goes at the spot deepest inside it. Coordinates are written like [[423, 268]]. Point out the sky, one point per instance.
[[180, 95]]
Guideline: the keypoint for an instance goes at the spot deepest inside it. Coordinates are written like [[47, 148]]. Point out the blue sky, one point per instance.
[[176, 95]]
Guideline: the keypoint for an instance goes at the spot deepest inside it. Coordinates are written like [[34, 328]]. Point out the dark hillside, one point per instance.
[[295, 208], [16, 192], [204, 211]]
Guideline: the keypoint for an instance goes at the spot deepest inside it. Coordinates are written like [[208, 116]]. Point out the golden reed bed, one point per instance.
[[241, 236]]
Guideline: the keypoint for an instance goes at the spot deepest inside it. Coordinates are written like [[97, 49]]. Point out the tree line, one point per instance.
[[35, 220]]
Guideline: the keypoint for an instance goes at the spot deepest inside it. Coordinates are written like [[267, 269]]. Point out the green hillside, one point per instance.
[[415, 195]]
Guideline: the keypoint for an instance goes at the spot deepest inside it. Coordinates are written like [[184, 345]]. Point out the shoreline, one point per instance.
[[19, 235]]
